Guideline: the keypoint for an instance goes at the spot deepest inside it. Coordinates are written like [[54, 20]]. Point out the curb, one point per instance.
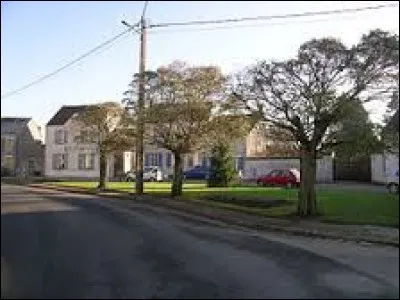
[[166, 203]]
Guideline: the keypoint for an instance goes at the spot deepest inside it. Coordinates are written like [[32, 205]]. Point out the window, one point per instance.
[[7, 144], [169, 160], [203, 159], [60, 161], [86, 161], [240, 163], [31, 165], [275, 173], [160, 160], [153, 159], [86, 136], [190, 160], [61, 136], [9, 162]]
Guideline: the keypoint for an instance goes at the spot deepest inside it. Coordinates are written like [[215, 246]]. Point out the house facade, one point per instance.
[[251, 144], [385, 164], [22, 147], [66, 157]]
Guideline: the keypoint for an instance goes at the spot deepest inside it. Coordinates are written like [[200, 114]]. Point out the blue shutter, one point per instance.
[[160, 162], [169, 160], [241, 163], [146, 159]]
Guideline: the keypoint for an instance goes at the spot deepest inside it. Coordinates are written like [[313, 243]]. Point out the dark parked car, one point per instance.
[[280, 177], [198, 172]]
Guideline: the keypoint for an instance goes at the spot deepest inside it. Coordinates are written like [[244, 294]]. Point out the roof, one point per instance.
[[394, 122], [65, 113], [15, 119], [13, 125]]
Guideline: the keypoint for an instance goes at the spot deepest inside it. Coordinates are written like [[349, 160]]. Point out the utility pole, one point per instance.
[[141, 99], [140, 125]]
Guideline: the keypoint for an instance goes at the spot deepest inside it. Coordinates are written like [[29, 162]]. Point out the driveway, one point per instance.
[[60, 245]]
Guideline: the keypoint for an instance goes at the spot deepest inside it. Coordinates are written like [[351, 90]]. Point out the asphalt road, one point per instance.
[[60, 245]]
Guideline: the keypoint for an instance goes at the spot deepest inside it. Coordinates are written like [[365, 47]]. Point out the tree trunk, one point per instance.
[[103, 168], [307, 205], [178, 175]]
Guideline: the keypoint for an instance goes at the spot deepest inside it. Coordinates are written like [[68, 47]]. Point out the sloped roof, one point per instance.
[[394, 122], [65, 113], [15, 119]]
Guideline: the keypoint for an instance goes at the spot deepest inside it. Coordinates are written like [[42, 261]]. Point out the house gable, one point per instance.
[[65, 113]]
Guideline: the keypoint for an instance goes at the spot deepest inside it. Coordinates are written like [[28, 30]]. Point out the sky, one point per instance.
[[39, 37]]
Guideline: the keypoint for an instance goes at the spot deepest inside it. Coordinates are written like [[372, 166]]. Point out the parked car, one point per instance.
[[280, 177], [152, 173], [198, 172], [392, 182]]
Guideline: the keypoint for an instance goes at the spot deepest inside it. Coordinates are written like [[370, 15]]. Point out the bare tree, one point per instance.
[[306, 97], [104, 125]]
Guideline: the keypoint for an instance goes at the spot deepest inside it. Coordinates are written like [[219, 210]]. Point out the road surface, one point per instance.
[[61, 245]]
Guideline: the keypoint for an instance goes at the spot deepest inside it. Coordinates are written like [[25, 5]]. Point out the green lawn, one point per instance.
[[341, 206]]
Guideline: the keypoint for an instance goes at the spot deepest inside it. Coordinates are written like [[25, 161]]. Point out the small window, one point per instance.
[[275, 173], [153, 159], [280, 173], [31, 165], [159, 160], [60, 161], [190, 160], [203, 159], [61, 136], [169, 160], [147, 159], [240, 163], [285, 173], [86, 136], [86, 161], [7, 144], [9, 162]]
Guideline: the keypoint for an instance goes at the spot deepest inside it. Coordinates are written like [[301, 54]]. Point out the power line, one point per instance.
[[271, 17], [244, 26], [42, 78], [195, 22]]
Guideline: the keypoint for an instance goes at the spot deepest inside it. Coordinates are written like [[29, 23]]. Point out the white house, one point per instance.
[[383, 165], [65, 158], [253, 143]]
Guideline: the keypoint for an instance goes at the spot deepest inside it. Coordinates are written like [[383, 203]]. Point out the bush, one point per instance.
[[222, 171]]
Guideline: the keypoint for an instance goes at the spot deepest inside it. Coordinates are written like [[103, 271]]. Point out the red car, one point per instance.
[[280, 177]]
